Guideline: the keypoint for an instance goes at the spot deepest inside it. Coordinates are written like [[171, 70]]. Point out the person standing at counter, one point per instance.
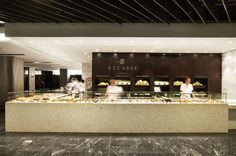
[[186, 90], [113, 91]]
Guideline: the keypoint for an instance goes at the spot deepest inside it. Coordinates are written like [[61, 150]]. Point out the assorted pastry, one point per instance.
[[197, 84], [123, 82], [178, 83], [142, 83], [103, 84]]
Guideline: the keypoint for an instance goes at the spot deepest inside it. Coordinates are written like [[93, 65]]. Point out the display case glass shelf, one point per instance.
[[125, 97]]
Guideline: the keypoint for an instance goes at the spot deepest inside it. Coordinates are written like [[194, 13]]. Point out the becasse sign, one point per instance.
[[121, 67]]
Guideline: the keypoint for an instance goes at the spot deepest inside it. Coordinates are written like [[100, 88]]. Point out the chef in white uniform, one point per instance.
[[113, 91], [186, 90]]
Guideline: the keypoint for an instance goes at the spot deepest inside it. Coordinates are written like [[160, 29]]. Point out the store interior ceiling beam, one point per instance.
[[196, 5], [209, 4], [77, 11], [117, 7], [178, 3], [60, 11], [171, 10], [80, 6], [133, 8], [99, 6], [226, 8], [146, 5]]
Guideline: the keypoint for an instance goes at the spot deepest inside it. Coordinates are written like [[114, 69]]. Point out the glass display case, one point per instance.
[[123, 98]]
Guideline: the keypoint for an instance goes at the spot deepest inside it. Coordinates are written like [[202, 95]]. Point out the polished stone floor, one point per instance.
[[74, 144]]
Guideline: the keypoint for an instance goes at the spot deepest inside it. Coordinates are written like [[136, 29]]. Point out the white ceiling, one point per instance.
[[71, 52]]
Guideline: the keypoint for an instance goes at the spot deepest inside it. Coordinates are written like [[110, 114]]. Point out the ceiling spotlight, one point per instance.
[[232, 48], [230, 42], [152, 50], [133, 50], [115, 50], [31, 42], [97, 50], [2, 22]]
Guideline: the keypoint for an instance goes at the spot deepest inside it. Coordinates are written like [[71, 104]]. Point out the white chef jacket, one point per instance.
[[113, 92], [186, 91]]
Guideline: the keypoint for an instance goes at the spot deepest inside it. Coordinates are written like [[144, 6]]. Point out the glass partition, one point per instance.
[[142, 97]]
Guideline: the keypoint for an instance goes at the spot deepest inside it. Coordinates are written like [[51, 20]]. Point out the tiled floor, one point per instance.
[[74, 144]]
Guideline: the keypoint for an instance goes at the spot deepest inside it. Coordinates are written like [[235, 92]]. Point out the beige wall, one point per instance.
[[17, 74]]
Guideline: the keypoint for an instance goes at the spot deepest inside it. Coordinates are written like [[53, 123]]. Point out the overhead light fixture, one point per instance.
[[232, 48], [31, 42], [115, 50], [152, 50], [230, 42], [133, 50], [2, 22], [169, 50]]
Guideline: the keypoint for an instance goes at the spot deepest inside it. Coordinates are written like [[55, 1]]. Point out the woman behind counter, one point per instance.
[[186, 90], [113, 91]]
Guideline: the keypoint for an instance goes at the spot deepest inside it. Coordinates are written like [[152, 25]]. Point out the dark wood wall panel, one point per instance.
[[172, 66]]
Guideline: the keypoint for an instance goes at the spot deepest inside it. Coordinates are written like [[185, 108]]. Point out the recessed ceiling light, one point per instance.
[[131, 41], [232, 48], [85, 53], [156, 41], [169, 50], [230, 42], [152, 50], [31, 42], [133, 50], [97, 50], [2, 22], [115, 50]]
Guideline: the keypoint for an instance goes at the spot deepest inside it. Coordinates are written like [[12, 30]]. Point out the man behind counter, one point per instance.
[[113, 91], [186, 90]]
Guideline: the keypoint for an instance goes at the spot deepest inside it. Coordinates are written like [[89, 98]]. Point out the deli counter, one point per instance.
[[131, 112]]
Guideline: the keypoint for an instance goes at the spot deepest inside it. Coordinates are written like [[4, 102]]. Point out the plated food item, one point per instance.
[[161, 83], [142, 83], [103, 84], [197, 84], [178, 83]]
